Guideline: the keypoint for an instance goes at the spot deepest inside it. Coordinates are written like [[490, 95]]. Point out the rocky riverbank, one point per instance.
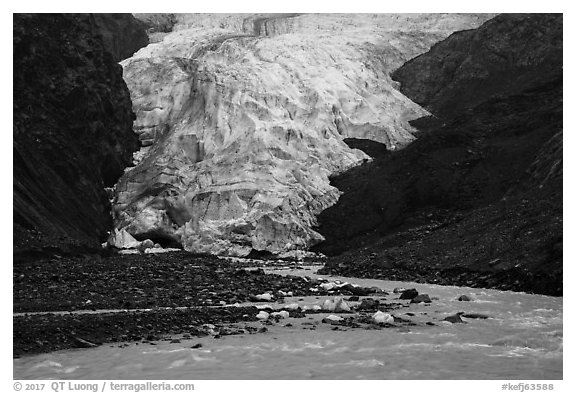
[[502, 334], [122, 300], [177, 279]]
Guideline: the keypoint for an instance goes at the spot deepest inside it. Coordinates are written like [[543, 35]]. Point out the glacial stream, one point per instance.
[[522, 339]]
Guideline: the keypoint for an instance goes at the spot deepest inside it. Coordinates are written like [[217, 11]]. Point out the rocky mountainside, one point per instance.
[[243, 119], [122, 34], [509, 54], [72, 127], [477, 198]]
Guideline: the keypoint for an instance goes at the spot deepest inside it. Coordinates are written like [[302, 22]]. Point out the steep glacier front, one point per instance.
[[242, 120]]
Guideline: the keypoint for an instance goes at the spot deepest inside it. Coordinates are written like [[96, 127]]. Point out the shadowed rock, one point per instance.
[[409, 294], [72, 132], [121, 34], [421, 299], [454, 318], [474, 316]]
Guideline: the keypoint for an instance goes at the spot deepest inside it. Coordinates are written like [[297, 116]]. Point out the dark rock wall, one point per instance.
[[483, 182], [122, 34], [72, 131]]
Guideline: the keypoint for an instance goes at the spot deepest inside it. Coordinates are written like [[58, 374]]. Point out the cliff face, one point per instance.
[[243, 119], [480, 191], [72, 131], [121, 34]]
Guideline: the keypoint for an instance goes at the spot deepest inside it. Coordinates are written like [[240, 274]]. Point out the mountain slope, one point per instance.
[[122, 34], [72, 131], [508, 54], [477, 198]]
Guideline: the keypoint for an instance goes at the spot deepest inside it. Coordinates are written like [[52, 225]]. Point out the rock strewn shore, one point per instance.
[[121, 300], [51, 332], [178, 279], [176, 287]]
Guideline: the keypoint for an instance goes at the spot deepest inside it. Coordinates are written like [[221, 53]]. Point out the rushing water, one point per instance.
[[522, 340]]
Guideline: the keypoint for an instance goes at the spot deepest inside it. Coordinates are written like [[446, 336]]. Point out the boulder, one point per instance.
[[265, 297], [421, 299], [454, 318], [340, 305], [409, 294], [263, 315], [280, 314], [464, 298], [382, 317], [329, 305], [332, 318]]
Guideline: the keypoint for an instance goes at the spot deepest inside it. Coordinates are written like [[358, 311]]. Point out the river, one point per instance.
[[522, 339]]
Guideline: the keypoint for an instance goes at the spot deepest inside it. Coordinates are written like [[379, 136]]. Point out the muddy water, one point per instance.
[[522, 340]]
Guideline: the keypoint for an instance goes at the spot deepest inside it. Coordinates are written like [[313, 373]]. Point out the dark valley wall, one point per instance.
[[72, 133], [121, 34], [477, 199]]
